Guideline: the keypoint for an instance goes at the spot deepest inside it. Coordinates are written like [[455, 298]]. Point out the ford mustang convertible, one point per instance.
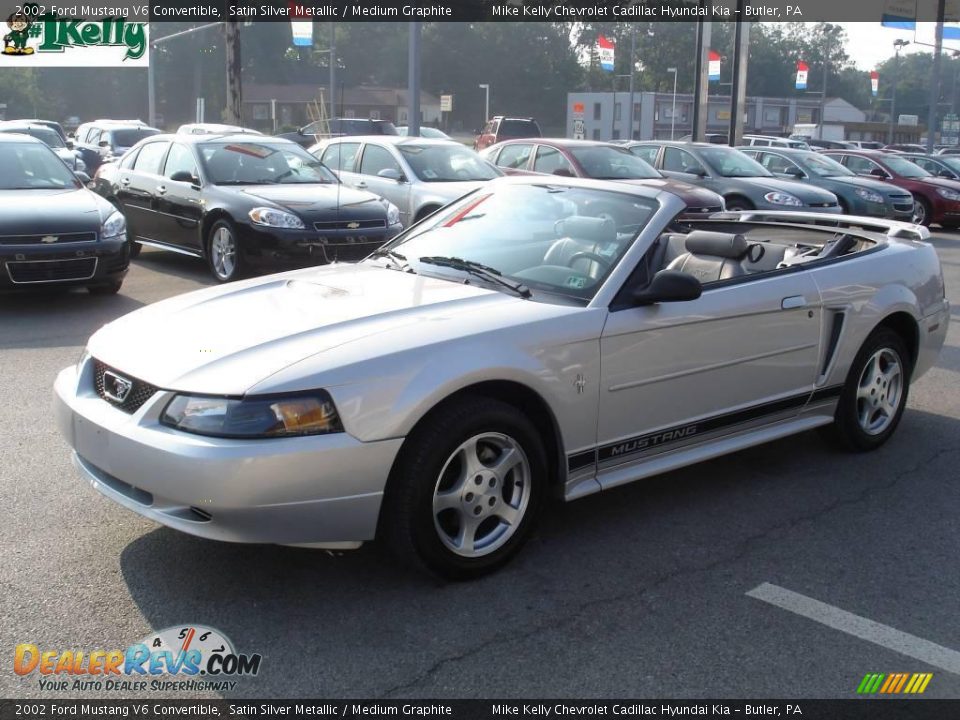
[[540, 336]]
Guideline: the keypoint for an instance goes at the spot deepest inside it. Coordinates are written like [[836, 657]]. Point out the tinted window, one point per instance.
[[179, 159], [733, 163], [261, 163], [150, 157], [679, 160], [776, 163], [93, 137], [550, 160], [608, 163], [904, 167], [129, 159], [447, 163], [127, 138], [860, 165], [515, 156], [49, 137], [518, 129], [646, 152], [822, 165], [375, 159]]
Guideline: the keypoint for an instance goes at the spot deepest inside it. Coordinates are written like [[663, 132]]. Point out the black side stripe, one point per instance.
[[650, 441]]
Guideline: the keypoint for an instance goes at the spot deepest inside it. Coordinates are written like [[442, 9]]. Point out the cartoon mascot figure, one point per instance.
[[15, 41]]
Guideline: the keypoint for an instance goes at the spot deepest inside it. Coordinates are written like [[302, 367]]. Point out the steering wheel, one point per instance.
[[583, 255]]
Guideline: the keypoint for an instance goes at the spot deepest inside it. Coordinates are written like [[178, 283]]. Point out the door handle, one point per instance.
[[161, 189], [794, 301], [125, 181], [361, 184]]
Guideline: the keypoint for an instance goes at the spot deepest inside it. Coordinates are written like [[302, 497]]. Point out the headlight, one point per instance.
[[393, 212], [114, 227], [782, 198], [255, 417], [869, 195], [948, 194], [271, 217]]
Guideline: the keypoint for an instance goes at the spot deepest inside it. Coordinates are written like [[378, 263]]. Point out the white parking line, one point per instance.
[[877, 633]]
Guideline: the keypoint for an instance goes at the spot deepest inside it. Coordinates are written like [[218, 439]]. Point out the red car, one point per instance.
[[502, 128], [597, 160], [936, 200]]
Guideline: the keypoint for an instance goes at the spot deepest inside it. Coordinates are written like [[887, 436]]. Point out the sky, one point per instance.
[[869, 43]]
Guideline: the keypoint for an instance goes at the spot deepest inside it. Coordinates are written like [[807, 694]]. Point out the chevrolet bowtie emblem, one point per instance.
[[353, 225], [49, 239]]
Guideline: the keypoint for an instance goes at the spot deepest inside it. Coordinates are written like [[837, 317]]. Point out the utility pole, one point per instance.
[[935, 85], [701, 80], [234, 88], [413, 80], [333, 70], [738, 90], [897, 45], [633, 55], [823, 88]]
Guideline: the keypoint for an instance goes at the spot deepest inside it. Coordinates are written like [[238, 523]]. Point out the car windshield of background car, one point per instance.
[[446, 163]]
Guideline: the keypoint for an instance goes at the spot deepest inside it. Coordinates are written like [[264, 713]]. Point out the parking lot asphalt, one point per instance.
[[638, 592]]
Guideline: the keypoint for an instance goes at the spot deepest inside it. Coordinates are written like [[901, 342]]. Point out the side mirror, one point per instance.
[[562, 172], [391, 174], [878, 173], [104, 143], [669, 286], [185, 176], [698, 171], [793, 171], [82, 176]]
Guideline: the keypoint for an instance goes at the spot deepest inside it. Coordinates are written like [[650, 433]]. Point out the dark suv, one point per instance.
[[309, 135], [506, 128]]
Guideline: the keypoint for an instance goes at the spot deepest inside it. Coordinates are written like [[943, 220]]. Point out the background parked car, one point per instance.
[[53, 125], [243, 202], [945, 166], [215, 129], [818, 144], [710, 139], [771, 141], [55, 231], [101, 140], [502, 128], [905, 148], [49, 137], [425, 131], [864, 144], [743, 183], [597, 160], [856, 195], [309, 135], [935, 200], [418, 175]]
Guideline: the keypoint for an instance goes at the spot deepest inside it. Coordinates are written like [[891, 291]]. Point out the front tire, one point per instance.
[[735, 204], [466, 490], [874, 395], [921, 212], [223, 252], [109, 288]]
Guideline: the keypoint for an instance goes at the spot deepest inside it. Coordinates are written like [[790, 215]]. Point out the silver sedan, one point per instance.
[[418, 175], [541, 336]]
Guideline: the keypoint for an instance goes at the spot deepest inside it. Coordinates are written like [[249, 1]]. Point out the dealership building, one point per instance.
[[605, 116]]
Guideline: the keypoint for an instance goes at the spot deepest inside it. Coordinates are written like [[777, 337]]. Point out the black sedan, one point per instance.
[[53, 231], [244, 203]]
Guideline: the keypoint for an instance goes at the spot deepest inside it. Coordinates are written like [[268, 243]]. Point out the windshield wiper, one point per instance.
[[476, 269], [399, 261]]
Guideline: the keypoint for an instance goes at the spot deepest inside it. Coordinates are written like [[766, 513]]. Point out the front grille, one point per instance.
[[39, 271], [136, 396], [350, 225], [823, 204], [48, 238], [903, 207]]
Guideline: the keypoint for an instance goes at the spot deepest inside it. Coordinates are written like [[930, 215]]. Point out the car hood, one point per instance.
[[308, 198], [806, 193], [866, 183], [226, 339], [938, 182], [692, 195], [33, 212]]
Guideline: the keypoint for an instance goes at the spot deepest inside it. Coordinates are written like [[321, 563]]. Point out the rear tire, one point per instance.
[[466, 490], [874, 395]]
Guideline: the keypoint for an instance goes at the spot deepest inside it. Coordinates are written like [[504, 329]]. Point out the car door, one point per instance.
[[340, 157], [866, 167], [781, 166], [180, 202], [648, 153], [682, 165], [138, 188], [743, 354], [376, 159], [514, 157], [551, 161]]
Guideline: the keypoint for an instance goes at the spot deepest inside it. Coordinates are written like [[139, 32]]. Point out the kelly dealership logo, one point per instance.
[[35, 37], [191, 657]]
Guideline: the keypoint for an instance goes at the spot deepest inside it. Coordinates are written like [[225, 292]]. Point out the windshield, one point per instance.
[[902, 166], [607, 163], [728, 162], [518, 129], [129, 138], [253, 163], [49, 137], [446, 163], [823, 166], [550, 238], [32, 166], [952, 162]]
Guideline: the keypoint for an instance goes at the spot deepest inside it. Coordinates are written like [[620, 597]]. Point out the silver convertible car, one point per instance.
[[542, 336]]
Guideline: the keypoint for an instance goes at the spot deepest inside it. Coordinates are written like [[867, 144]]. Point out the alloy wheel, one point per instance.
[[223, 253], [879, 391]]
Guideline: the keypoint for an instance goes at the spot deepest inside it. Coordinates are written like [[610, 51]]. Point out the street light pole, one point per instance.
[[673, 112], [633, 54], [486, 106], [897, 45]]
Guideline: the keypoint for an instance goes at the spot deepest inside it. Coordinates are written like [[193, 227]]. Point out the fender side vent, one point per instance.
[[835, 329]]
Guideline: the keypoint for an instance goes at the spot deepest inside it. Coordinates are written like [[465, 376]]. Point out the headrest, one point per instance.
[[591, 229], [718, 244]]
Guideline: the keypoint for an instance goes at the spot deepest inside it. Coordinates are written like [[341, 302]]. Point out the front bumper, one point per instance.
[[287, 249], [80, 264], [320, 490]]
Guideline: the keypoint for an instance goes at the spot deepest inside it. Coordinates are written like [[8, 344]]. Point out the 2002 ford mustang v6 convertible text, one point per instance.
[[540, 335]]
